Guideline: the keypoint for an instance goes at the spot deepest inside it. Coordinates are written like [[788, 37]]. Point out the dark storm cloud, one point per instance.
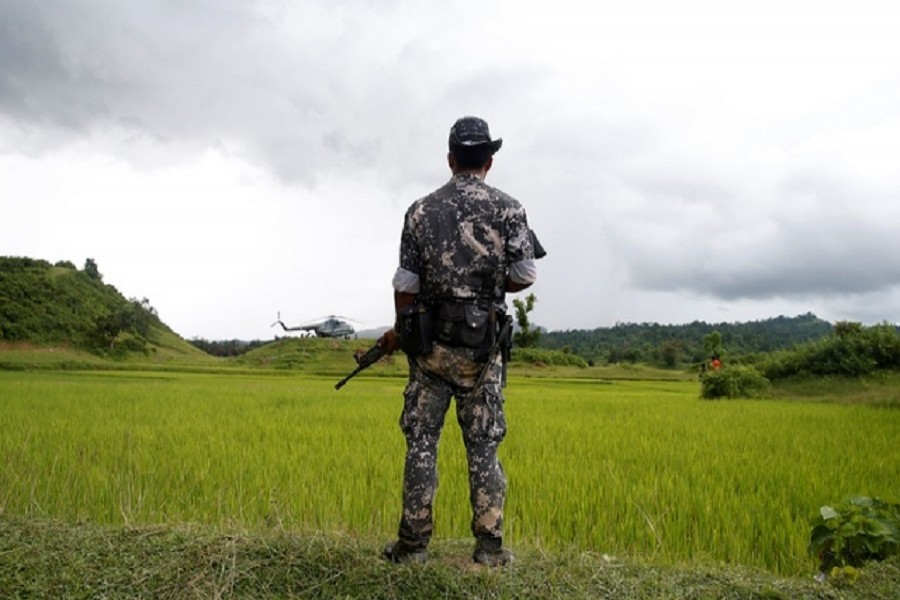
[[301, 90], [202, 73], [73, 64], [38, 83]]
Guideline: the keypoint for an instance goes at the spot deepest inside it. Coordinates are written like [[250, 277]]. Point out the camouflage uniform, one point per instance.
[[460, 241]]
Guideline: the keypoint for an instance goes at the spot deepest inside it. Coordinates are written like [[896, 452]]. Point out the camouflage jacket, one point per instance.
[[461, 240]]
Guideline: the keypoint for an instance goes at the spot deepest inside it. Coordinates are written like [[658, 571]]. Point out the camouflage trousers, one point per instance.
[[433, 380]]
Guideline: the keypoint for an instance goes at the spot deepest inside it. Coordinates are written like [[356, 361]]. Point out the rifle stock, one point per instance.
[[501, 344]]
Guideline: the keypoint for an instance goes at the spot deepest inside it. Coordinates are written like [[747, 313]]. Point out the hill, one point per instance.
[[46, 304], [319, 356]]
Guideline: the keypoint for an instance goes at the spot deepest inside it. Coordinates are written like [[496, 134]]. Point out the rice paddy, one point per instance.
[[635, 469]]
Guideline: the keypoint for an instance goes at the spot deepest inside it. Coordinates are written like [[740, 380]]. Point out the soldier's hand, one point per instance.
[[389, 341]]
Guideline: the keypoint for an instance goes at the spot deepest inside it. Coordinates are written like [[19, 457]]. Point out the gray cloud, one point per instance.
[[336, 86], [698, 245]]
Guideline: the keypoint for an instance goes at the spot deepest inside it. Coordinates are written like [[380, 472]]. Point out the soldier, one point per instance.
[[462, 248]]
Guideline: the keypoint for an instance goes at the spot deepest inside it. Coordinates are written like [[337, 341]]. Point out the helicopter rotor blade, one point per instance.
[[325, 318], [344, 318]]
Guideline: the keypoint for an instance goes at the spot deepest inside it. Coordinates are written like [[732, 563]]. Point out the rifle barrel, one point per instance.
[[372, 356]]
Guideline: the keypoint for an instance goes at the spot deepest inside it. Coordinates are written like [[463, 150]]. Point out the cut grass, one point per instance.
[[45, 559]]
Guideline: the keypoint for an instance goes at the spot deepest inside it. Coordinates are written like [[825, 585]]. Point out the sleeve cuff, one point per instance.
[[406, 281], [523, 271]]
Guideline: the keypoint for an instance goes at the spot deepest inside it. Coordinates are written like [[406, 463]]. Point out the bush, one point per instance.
[[851, 351], [548, 357], [855, 531], [734, 381], [133, 344]]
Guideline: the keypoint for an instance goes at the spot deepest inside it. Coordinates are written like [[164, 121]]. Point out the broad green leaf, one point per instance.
[[828, 513]]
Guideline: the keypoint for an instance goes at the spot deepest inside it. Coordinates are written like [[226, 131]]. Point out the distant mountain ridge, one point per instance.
[[371, 334], [635, 342]]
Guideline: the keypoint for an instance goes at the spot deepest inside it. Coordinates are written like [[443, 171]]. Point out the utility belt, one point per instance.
[[457, 324]]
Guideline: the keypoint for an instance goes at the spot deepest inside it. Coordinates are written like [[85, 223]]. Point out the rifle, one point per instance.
[[363, 361], [503, 343]]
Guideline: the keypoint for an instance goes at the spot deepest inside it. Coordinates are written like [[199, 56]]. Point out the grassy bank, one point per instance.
[[43, 559]]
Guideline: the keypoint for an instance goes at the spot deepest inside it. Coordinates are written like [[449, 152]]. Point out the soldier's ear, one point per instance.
[[451, 160], [489, 164]]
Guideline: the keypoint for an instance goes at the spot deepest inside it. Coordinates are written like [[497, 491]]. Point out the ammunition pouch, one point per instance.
[[467, 325], [414, 328]]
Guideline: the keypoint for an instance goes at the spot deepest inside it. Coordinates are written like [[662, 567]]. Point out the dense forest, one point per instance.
[[677, 344]]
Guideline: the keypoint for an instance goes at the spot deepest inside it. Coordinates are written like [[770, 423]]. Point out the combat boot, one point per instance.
[[491, 553], [398, 552]]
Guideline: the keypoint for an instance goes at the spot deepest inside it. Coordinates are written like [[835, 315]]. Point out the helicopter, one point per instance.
[[332, 326]]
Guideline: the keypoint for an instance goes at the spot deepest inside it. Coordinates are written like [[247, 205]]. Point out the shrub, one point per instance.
[[851, 351], [855, 531], [133, 344], [548, 357], [733, 381]]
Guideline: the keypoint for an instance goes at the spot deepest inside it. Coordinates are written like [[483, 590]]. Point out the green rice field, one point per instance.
[[636, 469]]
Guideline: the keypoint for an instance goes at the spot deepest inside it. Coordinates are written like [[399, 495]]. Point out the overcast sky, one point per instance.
[[711, 160]]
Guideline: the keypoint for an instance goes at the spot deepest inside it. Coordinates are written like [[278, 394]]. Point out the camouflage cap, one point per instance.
[[470, 132]]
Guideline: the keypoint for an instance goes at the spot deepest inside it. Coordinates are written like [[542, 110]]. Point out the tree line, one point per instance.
[[673, 345], [227, 347]]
